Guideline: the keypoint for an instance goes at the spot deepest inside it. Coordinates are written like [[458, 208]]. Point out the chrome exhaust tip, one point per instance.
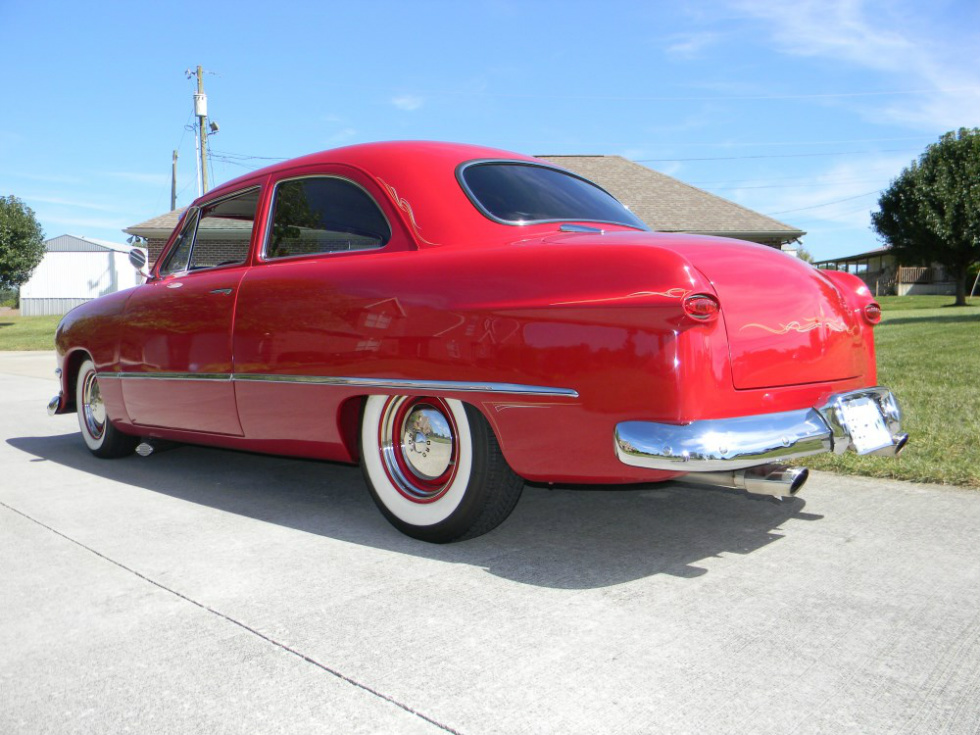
[[151, 445], [898, 444], [775, 480]]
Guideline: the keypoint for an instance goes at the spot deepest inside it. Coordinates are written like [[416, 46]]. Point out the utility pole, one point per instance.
[[173, 185], [201, 111]]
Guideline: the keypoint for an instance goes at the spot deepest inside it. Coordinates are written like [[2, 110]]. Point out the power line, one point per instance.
[[737, 144], [776, 155], [706, 98], [246, 157], [790, 186], [826, 204]]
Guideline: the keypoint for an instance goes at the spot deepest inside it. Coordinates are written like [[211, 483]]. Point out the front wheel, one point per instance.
[[101, 437], [434, 468]]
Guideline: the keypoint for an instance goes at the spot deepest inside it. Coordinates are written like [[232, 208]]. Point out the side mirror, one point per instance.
[[138, 259]]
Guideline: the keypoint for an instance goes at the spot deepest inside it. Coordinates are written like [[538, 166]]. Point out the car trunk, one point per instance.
[[786, 323]]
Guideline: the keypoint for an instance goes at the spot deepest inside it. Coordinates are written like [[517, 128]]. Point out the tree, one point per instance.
[[931, 212], [21, 242]]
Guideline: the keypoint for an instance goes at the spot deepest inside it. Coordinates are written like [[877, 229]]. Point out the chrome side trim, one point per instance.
[[408, 386], [748, 441], [210, 377], [414, 385]]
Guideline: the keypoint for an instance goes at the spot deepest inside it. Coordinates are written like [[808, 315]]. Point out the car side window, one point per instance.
[[219, 234], [180, 253], [324, 214]]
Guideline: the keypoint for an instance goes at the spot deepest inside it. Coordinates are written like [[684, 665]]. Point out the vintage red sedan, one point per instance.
[[460, 319]]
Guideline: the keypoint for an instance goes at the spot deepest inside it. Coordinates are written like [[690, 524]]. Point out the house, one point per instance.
[[669, 205], [75, 270], [663, 202], [882, 273]]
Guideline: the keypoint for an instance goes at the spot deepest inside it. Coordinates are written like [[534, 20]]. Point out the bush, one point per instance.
[[9, 297]]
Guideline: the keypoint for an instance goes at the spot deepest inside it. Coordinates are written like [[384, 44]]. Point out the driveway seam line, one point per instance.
[[243, 626]]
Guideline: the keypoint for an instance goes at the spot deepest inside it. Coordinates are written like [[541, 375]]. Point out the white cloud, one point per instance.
[[938, 74], [138, 178], [407, 102], [69, 203], [690, 45], [850, 180], [341, 136], [89, 222]]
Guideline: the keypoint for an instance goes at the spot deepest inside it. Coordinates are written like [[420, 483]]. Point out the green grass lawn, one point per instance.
[[27, 332], [928, 354], [930, 358]]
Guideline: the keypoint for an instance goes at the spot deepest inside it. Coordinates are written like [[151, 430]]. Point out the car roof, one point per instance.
[[419, 177]]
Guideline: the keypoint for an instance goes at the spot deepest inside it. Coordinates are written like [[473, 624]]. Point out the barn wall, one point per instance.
[[48, 307], [65, 279]]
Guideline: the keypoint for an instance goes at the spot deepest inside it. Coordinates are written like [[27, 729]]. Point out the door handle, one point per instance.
[[222, 291]]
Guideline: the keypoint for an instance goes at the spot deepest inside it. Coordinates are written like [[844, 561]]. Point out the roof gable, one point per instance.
[[669, 205], [76, 244]]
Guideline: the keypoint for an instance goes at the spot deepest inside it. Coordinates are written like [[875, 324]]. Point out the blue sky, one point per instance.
[[801, 110]]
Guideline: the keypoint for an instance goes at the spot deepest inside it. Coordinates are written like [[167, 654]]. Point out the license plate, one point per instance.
[[866, 425]]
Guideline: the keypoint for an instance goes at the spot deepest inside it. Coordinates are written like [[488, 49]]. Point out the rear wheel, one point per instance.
[[434, 468], [101, 437]]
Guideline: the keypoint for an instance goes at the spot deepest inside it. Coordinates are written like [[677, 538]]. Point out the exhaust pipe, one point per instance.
[[898, 444], [150, 445], [776, 480]]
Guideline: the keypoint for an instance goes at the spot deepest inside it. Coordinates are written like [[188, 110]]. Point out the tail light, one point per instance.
[[872, 312], [702, 307]]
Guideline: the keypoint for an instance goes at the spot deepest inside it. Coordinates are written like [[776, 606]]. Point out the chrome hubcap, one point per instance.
[[418, 447], [93, 407], [427, 443]]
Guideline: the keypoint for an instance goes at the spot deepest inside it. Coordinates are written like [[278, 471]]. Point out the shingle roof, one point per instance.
[[156, 227], [669, 205]]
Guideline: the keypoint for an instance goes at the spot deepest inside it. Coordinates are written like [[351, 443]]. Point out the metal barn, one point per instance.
[[75, 270]]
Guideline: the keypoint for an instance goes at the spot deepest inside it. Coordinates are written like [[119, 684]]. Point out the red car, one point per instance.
[[461, 319]]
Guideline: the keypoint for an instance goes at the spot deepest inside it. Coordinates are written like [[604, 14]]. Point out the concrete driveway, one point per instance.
[[207, 591]]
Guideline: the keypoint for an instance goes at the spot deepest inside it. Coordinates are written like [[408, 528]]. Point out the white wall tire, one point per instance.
[[101, 437], [434, 467]]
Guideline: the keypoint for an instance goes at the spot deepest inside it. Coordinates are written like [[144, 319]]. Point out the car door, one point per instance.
[[176, 349], [299, 316]]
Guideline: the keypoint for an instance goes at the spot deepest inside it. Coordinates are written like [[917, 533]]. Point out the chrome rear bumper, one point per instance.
[[748, 441]]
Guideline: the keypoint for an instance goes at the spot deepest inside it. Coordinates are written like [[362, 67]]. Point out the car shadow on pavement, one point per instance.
[[563, 538]]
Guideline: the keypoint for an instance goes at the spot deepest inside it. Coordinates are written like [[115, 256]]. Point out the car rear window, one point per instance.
[[525, 193]]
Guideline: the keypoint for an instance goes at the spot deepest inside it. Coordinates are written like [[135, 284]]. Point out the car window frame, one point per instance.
[[170, 252], [197, 211], [263, 257], [481, 208]]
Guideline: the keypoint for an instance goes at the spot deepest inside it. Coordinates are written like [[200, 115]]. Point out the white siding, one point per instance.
[[80, 276], [71, 278], [48, 307]]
